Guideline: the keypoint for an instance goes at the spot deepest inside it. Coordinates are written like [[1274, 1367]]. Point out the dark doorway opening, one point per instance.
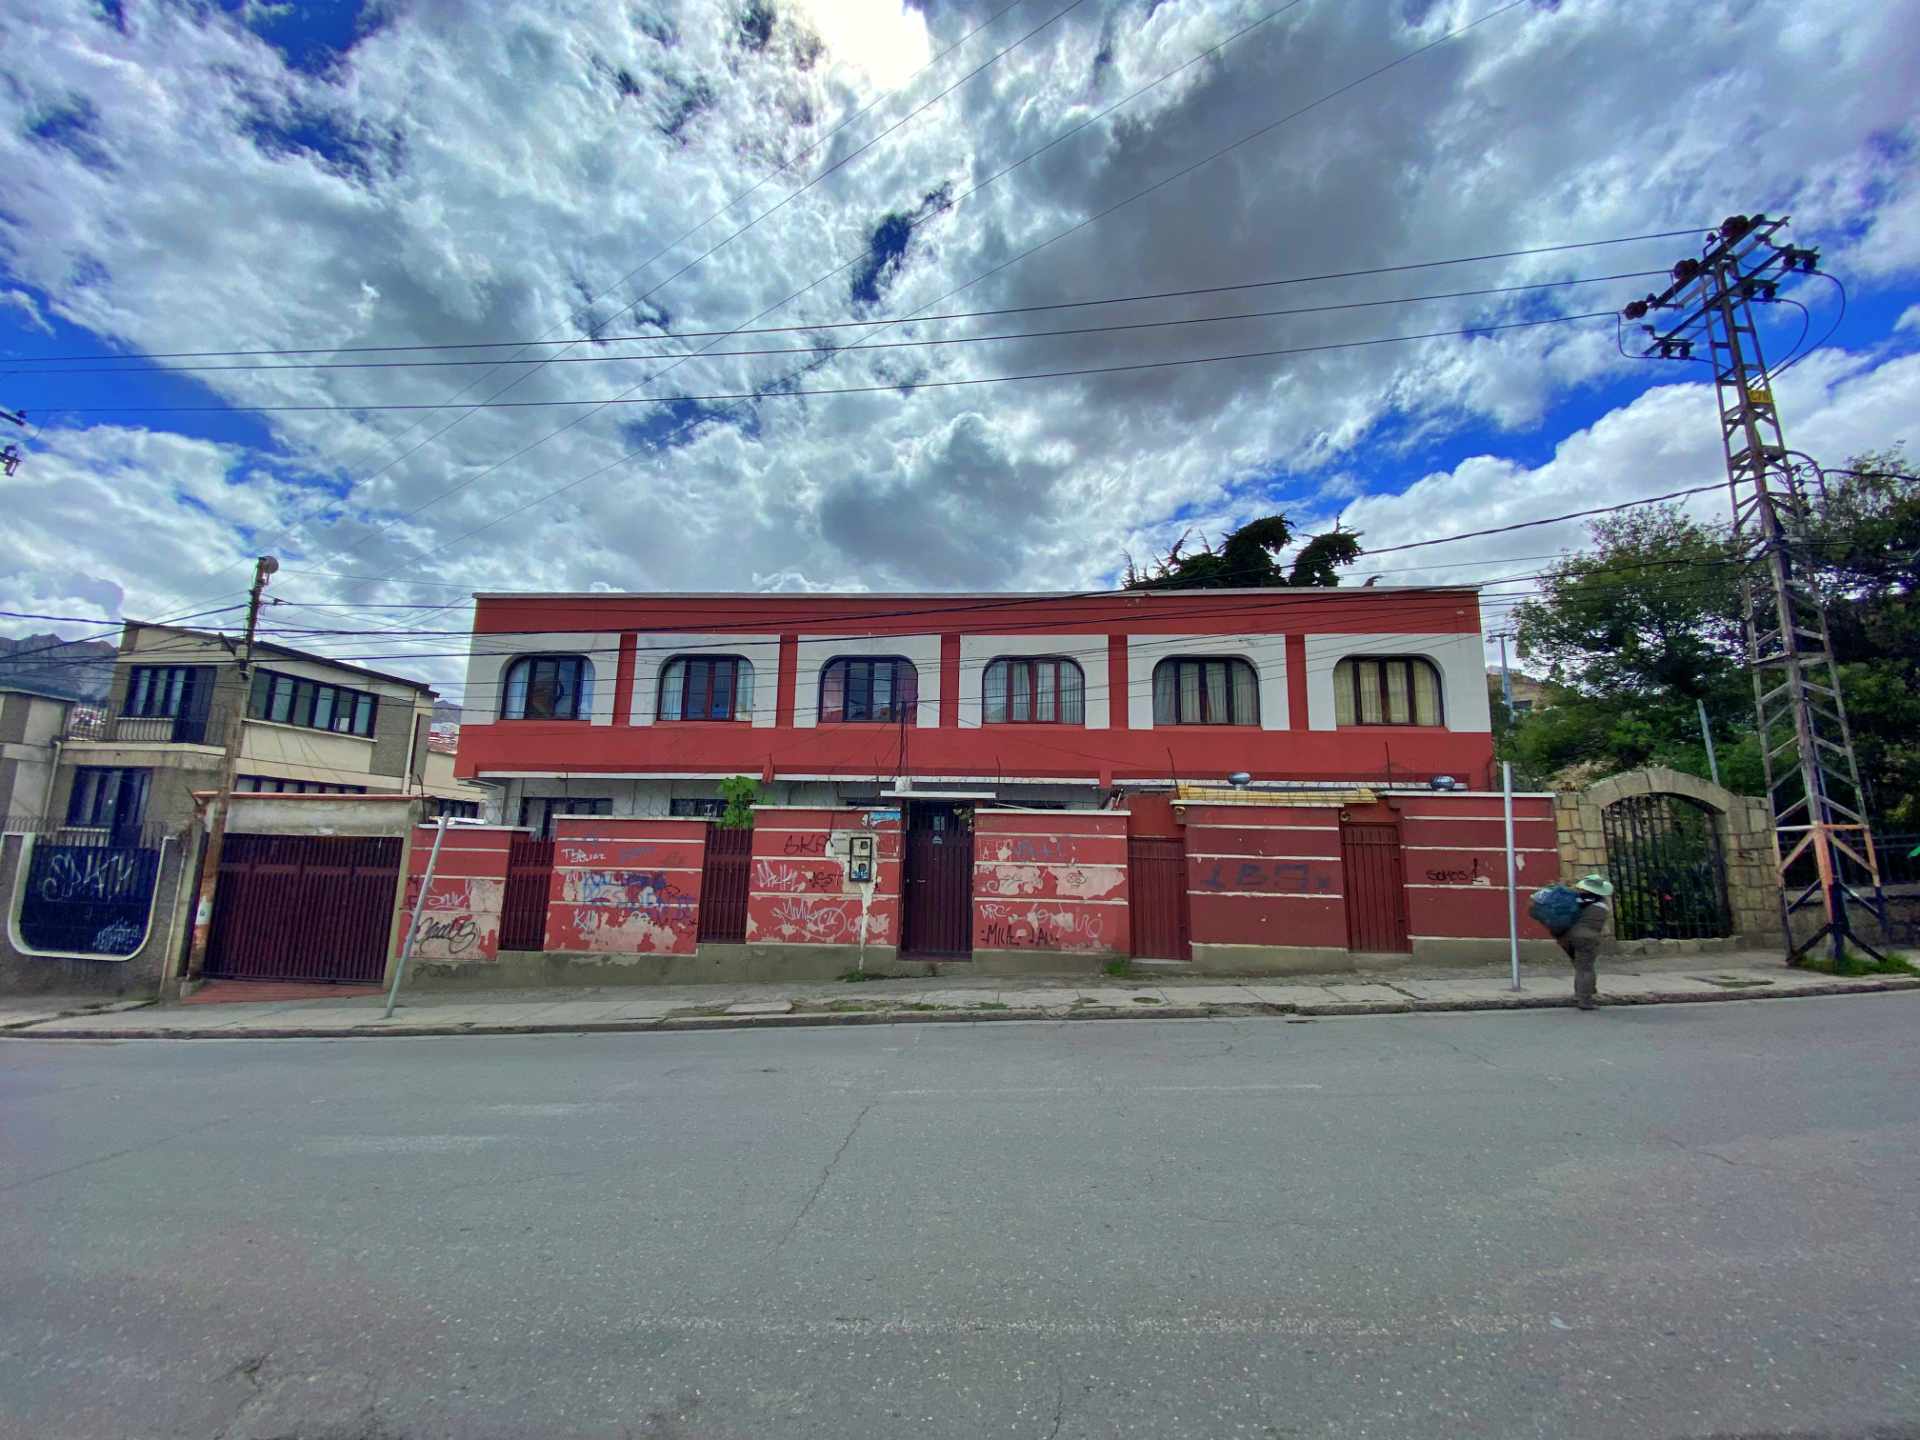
[[936, 901]]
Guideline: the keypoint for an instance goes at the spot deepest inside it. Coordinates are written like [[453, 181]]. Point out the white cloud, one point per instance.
[[475, 172]]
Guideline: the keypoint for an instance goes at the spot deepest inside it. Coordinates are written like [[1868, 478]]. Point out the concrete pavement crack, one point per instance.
[[1059, 1400], [827, 1173]]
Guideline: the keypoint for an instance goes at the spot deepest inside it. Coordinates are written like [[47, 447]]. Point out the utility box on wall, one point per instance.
[[860, 859]]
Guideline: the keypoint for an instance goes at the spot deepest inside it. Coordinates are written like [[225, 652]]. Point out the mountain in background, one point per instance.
[[446, 712], [75, 670]]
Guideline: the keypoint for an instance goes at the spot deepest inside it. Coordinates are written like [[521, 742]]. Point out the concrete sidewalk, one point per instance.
[[1739, 976]]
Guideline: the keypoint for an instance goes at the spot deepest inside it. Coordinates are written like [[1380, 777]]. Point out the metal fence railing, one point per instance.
[[89, 723]]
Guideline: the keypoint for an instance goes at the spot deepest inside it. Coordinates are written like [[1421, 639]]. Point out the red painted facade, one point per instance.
[[1054, 882], [623, 631], [626, 887], [461, 919], [799, 892]]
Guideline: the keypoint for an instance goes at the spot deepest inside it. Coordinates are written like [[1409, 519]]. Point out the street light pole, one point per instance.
[[229, 767]]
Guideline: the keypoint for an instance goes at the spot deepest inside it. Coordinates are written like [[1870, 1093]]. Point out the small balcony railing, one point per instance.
[[89, 724]]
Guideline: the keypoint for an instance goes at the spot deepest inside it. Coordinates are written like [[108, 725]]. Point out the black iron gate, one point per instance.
[[937, 903], [523, 906], [1669, 877], [723, 885], [304, 907]]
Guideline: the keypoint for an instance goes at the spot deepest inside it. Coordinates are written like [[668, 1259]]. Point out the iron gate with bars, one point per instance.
[[88, 895], [723, 886], [304, 907], [1669, 877], [523, 906], [1157, 897]]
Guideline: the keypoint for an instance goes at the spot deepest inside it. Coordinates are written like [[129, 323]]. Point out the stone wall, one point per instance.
[[1742, 822]]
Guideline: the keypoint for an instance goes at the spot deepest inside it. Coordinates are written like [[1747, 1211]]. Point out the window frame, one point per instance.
[[696, 807], [280, 785], [90, 782], [583, 685], [151, 698], [297, 698], [1351, 665], [1200, 662], [902, 711], [1030, 667], [679, 670]]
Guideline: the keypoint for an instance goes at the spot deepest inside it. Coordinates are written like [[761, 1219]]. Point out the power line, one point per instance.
[[915, 318]]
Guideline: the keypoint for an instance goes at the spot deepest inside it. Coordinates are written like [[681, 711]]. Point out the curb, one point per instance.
[[813, 1020]]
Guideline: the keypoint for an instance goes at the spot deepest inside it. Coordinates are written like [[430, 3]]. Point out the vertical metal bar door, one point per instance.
[[723, 886], [304, 907], [937, 908], [1157, 897], [1374, 884], [1669, 876], [523, 907]]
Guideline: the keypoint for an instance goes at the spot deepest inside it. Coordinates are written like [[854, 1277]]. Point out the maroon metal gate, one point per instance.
[[1157, 896], [523, 909], [937, 906], [723, 886], [1374, 885], [304, 907]]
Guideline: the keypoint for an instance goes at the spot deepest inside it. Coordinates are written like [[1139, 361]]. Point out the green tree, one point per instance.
[[740, 792], [1250, 558], [1640, 630]]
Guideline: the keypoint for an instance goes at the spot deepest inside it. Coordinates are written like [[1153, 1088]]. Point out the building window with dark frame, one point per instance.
[[877, 690], [1043, 690], [548, 687], [696, 809], [108, 798], [452, 809], [1205, 690], [1387, 690], [312, 704], [538, 812], [171, 691], [277, 785], [706, 687]]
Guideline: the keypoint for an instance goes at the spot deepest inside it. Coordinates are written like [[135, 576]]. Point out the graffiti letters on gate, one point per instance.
[[88, 899]]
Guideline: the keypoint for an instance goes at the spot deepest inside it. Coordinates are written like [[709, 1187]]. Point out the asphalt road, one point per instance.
[[1685, 1221]]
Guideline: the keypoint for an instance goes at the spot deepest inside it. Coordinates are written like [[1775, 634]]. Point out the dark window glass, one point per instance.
[[170, 690], [108, 797], [293, 700], [884, 690], [697, 809], [1047, 690], [1387, 690], [549, 687], [706, 687], [1204, 690]]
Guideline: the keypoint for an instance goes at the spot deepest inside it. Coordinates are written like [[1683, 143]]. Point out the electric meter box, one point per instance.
[[860, 859]]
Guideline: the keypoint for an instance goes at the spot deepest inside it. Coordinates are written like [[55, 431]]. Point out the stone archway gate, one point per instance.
[[1689, 859]]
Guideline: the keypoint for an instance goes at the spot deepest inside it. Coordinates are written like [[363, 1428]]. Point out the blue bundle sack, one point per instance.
[[1555, 907]]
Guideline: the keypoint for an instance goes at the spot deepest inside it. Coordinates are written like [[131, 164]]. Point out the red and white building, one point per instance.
[[1054, 728]]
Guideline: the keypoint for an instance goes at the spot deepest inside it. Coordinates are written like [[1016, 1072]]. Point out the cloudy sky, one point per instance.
[[343, 178]]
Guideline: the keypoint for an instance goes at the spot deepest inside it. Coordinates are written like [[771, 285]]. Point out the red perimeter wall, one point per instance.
[[798, 891], [1265, 875], [1054, 881], [626, 887], [461, 919]]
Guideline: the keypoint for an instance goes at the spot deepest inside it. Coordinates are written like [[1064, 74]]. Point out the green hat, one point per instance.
[[1595, 885]]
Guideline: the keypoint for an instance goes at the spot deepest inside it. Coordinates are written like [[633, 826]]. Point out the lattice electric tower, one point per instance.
[[1822, 844]]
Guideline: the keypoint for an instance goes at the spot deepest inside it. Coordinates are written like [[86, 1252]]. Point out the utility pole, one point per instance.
[[10, 453], [1813, 779], [229, 767]]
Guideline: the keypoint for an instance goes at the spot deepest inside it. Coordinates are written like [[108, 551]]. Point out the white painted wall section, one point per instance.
[[1266, 653], [1459, 656], [816, 650], [1087, 651]]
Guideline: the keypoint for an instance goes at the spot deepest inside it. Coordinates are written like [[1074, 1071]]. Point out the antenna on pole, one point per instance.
[[1813, 780]]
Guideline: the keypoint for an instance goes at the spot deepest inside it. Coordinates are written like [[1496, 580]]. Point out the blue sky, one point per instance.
[[254, 176]]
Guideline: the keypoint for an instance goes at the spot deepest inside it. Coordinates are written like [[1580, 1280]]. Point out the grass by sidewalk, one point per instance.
[[1854, 964]]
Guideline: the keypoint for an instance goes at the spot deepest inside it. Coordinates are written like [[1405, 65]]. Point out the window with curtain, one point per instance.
[[1386, 690], [1205, 690], [882, 690], [706, 687], [1045, 690], [549, 687]]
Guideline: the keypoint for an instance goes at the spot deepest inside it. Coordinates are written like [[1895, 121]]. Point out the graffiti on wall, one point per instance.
[[1271, 877], [778, 875], [805, 842], [1475, 873], [1032, 849], [1040, 927], [1076, 882], [88, 899], [460, 919]]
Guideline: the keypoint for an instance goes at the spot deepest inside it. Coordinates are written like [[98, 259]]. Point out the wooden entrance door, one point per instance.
[[1157, 896], [1375, 888], [936, 903]]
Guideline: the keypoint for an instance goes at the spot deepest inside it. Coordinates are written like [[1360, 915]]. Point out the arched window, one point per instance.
[[1205, 690], [1386, 690], [882, 689], [706, 687], [548, 687], [1046, 690]]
